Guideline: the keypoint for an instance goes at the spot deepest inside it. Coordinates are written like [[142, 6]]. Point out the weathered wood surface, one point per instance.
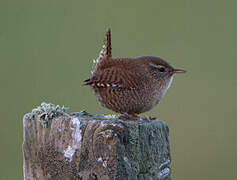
[[95, 147]]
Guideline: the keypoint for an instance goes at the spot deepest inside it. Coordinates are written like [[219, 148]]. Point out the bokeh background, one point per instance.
[[47, 48]]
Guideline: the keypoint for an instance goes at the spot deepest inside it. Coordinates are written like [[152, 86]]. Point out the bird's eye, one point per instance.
[[161, 69]]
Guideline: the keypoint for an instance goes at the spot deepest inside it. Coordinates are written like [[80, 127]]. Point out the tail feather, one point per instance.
[[105, 54], [108, 52], [87, 82]]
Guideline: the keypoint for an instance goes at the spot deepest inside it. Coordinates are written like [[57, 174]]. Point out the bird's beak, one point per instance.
[[179, 71]]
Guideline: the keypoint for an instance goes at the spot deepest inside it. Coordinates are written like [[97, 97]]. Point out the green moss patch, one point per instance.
[[48, 111]]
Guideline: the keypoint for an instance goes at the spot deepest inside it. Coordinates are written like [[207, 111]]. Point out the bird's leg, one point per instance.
[[129, 116]]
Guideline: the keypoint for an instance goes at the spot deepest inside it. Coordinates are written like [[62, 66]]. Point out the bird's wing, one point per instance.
[[105, 55], [114, 78]]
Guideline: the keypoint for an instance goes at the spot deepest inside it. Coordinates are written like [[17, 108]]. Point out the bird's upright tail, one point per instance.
[[108, 46], [105, 54]]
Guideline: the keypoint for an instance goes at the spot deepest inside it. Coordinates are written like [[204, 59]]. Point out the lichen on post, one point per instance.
[[84, 146]]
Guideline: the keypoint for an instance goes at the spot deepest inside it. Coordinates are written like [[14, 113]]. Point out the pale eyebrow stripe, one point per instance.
[[154, 65]]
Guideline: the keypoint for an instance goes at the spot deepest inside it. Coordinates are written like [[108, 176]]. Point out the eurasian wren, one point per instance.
[[129, 85]]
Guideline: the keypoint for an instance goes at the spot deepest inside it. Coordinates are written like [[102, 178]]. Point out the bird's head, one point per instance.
[[159, 68]]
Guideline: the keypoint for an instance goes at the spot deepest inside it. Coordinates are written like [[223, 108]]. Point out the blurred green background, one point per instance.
[[46, 51]]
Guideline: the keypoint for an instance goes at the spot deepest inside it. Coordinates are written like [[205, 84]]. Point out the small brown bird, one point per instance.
[[129, 86]]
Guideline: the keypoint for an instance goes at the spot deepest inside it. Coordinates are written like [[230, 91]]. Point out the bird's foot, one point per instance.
[[148, 118], [152, 118], [129, 116]]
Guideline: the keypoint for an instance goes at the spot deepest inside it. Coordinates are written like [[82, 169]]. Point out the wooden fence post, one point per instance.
[[94, 147]]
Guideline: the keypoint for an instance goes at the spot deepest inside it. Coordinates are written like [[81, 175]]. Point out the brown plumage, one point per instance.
[[129, 85]]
